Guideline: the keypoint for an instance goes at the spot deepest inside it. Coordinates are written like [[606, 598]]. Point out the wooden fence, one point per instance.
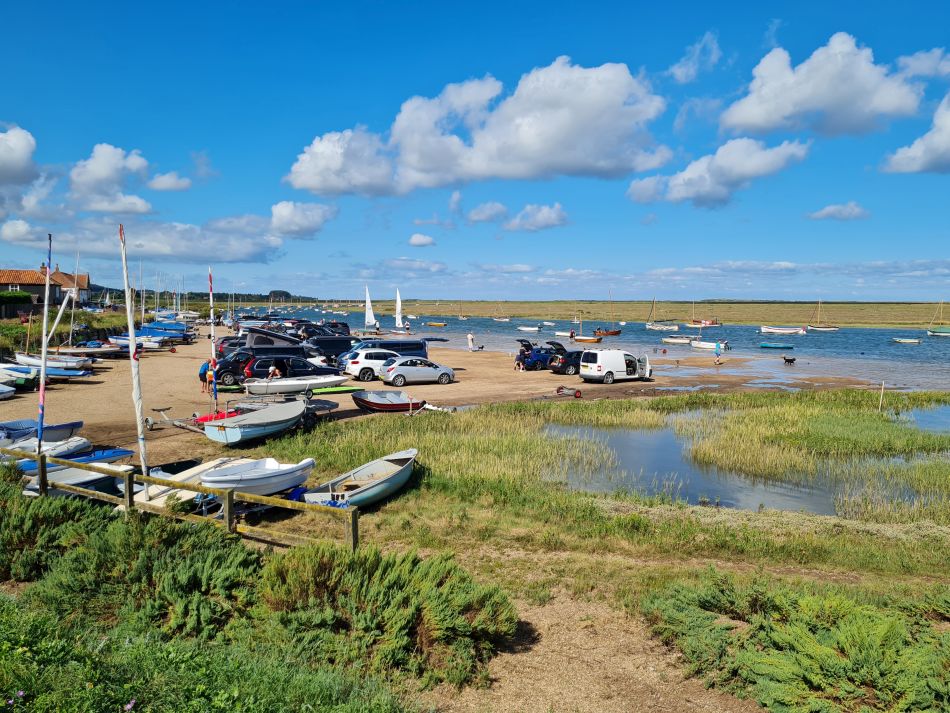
[[228, 518]]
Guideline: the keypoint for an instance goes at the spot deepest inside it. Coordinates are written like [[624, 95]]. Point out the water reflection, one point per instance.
[[931, 419], [652, 462]]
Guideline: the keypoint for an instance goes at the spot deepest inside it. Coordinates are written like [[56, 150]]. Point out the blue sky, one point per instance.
[[518, 150]]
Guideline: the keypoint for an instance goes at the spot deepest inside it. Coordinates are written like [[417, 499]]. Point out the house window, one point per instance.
[[14, 288]]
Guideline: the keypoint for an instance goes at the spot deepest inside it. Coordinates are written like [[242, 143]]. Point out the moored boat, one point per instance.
[[385, 401], [367, 484], [776, 345], [606, 332], [699, 344], [435, 324], [676, 340], [905, 340], [765, 329], [528, 329]]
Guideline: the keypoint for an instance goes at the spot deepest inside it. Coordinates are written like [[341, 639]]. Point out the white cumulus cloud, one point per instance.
[[703, 55], [96, 183], [16, 156], [837, 90], [929, 63], [487, 213], [538, 217], [418, 240], [840, 211], [455, 202], [299, 220], [562, 119], [16, 231], [512, 269], [929, 153], [711, 180], [170, 181]]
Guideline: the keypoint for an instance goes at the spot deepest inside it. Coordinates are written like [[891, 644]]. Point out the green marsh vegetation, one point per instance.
[[113, 609]]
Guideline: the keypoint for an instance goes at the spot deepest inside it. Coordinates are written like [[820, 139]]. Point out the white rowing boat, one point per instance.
[[782, 330], [63, 362], [367, 484], [292, 384], [264, 476]]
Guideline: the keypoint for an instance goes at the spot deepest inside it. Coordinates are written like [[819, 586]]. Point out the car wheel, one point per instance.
[[366, 375], [609, 377], [537, 366], [399, 380], [445, 379], [571, 370], [228, 379]]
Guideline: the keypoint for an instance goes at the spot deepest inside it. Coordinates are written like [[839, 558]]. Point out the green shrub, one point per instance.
[[391, 611], [34, 532], [795, 651], [187, 580]]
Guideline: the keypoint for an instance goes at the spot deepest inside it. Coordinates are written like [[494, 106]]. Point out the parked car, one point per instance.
[[609, 365], [539, 357], [259, 367], [226, 345], [231, 369], [364, 364], [402, 347], [568, 363], [414, 370]]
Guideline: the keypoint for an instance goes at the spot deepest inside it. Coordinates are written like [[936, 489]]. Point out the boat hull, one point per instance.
[[232, 435], [819, 328], [658, 327], [263, 477], [782, 330], [607, 332], [400, 463], [375, 402], [675, 340], [291, 385], [775, 345]]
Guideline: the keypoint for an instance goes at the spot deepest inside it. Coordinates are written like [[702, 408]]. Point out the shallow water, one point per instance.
[[653, 462], [931, 419]]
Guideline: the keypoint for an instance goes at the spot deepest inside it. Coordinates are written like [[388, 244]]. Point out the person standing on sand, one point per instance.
[[203, 374], [718, 353], [471, 342]]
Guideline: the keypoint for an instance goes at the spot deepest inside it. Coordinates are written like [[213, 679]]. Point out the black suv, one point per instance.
[[233, 368], [568, 363], [259, 367]]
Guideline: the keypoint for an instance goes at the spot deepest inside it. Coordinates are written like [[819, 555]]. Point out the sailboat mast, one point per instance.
[[44, 350], [72, 313], [214, 364], [134, 360]]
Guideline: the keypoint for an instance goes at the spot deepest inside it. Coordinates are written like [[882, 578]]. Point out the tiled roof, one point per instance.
[[66, 279], [21, 277]]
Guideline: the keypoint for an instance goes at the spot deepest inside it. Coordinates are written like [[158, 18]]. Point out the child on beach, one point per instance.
[[203, 375]]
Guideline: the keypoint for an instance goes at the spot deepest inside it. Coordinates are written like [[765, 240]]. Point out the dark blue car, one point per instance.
[[539, 357]]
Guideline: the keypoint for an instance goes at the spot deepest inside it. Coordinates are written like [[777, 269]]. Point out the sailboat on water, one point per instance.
[[369, 318], [462, 317], [662, 325], [613, 331], [937, 328], [579, 337], [818, 326], [703, 323], [401, 327]]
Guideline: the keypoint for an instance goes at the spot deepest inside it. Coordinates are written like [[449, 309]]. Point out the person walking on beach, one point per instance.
[[203, 374], [471, 342], [718, 353], [573, 335]]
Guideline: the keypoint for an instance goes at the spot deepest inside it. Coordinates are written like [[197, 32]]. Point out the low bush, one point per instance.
[[798, 651], [387, 611]]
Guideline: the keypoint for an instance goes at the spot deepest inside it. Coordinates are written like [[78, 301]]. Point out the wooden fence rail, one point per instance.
[[349, 516]]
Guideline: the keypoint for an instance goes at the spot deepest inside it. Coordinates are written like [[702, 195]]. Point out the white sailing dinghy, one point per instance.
[[369, 318], [265, 476], [292, 384], [62, 362]]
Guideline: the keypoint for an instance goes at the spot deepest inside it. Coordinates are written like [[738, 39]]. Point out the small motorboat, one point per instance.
[[676, 340], [588, 340], [662, 327], [265, 476], [501, 319], [905, 340], [562, 334], [548, 324], [368, 484], [63, 362], [606, 332], [528, 329], [823, 328], [293, 384], [782, 330], [268, 421], [385, 401], [776, 345], [26, 428]]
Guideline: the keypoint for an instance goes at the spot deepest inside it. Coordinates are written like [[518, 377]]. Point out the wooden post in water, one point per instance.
[[41, 474], [352, 529], [228, 511], [129, 493]]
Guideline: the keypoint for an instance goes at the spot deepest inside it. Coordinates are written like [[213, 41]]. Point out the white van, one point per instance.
[[610, 365]]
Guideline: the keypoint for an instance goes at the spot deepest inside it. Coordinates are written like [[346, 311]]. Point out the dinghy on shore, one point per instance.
[[385, 401], [54, 449], [63, 362], [265, 476], [368, 484], [256, 424], [293, 384], [26, 428]]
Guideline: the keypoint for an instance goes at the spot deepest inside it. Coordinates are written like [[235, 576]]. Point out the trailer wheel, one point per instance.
[[149, 423], [173, 350], [309, 394], [577, 393]]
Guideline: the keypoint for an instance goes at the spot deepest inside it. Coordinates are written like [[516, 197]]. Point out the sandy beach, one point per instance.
[[169, 380]]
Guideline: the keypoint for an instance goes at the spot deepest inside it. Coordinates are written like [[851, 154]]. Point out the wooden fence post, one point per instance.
[[228, 511], [129, 493], [41, 474], [352, 529]]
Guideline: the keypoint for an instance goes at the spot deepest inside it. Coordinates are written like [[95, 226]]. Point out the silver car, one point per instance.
[[414, 370]]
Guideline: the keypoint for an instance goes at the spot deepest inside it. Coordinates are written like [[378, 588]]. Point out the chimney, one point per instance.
[[43, 268], [57, 268]]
